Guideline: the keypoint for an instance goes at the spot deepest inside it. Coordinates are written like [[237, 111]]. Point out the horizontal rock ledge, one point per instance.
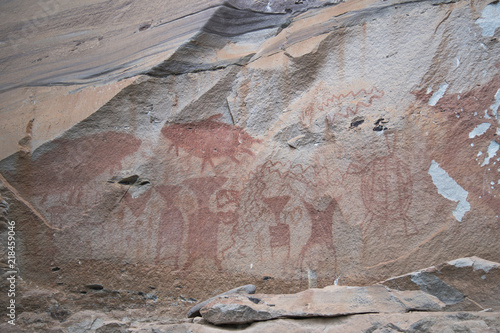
[[330, 301]]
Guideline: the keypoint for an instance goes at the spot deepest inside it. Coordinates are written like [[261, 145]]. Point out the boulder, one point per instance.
[[332, 301], [415, 322], [195, 310], [465, 284]]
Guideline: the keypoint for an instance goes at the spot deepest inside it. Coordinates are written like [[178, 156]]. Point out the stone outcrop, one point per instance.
[[331, 309], [466, 284], [284, 144], [84, 47], [401, 322], [195, 310], [127, 321], [330, 301]]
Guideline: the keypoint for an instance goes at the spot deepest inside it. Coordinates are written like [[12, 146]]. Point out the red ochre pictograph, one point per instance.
[[209, 139], [203, 225], [321, 230], [171, 225], [342, 105], [71, 164], [386, 190], [274, 190]]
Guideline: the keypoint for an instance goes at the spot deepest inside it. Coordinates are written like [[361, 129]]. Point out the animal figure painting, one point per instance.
[[209, 139]]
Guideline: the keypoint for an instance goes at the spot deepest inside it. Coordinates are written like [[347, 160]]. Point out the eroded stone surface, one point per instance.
[[331, 309], [399, 322], [195, 310], [330, 301], [51, 42], [293, 155], [463, 284]]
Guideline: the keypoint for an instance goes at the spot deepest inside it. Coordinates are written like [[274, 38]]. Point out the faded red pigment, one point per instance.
[[342, 105], [209, 139], [70, 165]]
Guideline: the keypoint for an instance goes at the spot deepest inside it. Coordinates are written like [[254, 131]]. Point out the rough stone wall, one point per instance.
[[346, 143]]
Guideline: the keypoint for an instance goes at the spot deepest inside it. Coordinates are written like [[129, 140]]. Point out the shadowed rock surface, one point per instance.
[[375, 308]]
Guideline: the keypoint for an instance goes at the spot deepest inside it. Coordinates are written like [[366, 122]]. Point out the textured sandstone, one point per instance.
[[331, 309], [283, 148], [471, 284], [51, 42], [330, 301], [49, 111], [434, 322], [408, 323]]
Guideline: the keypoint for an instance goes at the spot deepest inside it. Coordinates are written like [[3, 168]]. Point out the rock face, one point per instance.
[[284, 146], [407, 323], [375, 308], [86, 46]]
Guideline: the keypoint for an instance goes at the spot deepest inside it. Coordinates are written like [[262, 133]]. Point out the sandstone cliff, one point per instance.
[[287, 144]]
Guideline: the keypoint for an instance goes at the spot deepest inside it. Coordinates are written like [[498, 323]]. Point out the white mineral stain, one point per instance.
[[480, 153], [479, 130], [268, 7], [336, 282], [494, 107], [462, 262], [476, 263], [490, 19], [492, 151], [449, 189], [438, 94]]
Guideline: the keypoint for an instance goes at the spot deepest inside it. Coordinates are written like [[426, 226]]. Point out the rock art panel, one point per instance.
[[63, 176], [343, 105], [203, 225], [171, 227], [340, 184], [321, 234], [209, 139], [386, 190], [287, 220]]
